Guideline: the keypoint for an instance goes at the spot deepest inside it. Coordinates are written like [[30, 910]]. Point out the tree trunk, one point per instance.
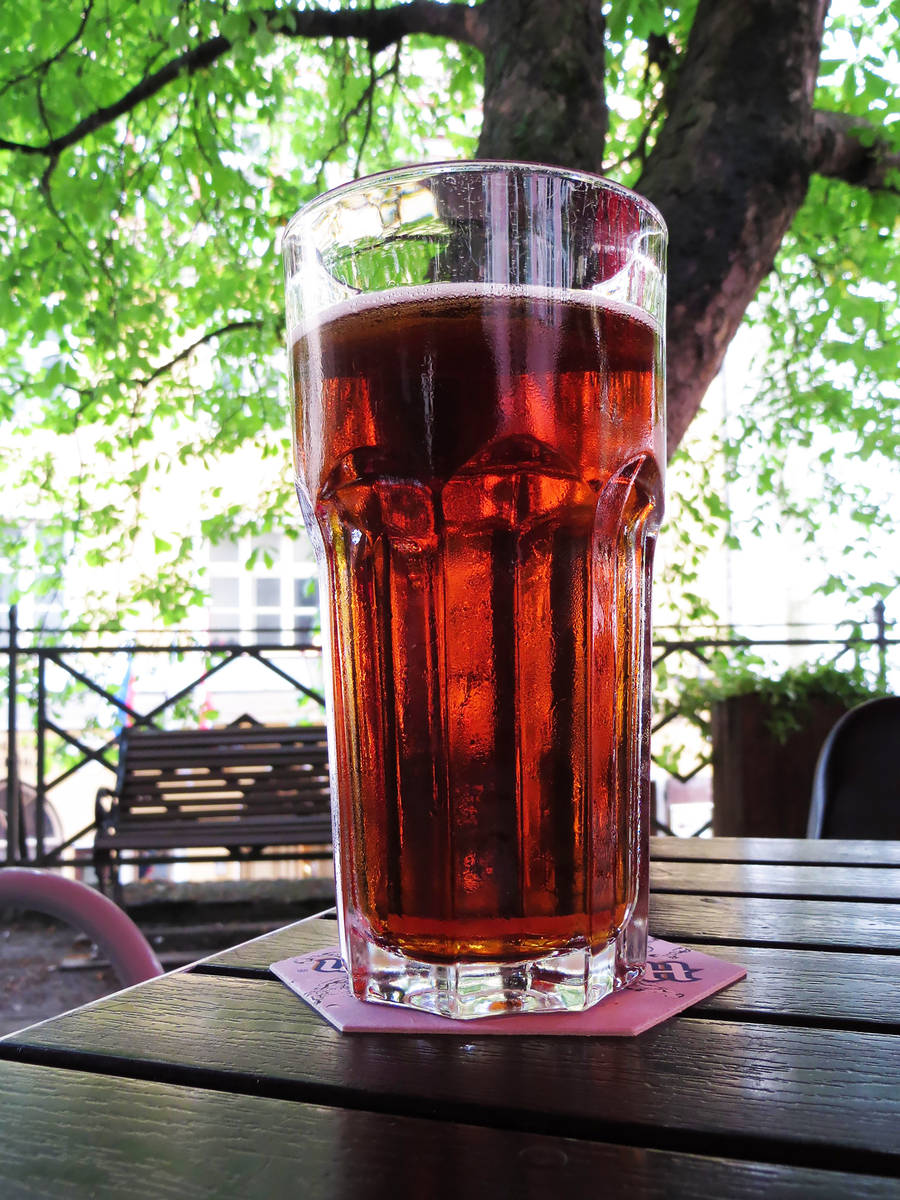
[[544, 66], [729, 171]]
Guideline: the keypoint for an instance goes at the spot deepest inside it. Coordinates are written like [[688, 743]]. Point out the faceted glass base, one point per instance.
[[569, 981]]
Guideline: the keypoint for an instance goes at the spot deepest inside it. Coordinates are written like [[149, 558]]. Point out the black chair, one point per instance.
[[856, 786]]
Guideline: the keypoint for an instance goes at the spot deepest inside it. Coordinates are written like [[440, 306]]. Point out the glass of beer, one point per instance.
[[477, 379]]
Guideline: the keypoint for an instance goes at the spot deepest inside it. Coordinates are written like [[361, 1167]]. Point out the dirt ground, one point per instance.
[[47, 968], [33, 983]]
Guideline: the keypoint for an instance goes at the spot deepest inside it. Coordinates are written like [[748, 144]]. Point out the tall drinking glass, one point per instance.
[[477, 374]]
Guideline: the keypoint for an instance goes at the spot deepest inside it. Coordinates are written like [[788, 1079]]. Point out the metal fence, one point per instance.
[[27, 668], [676, 660]]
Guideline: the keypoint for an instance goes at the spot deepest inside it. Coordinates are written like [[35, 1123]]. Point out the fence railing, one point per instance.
[[27, 689]]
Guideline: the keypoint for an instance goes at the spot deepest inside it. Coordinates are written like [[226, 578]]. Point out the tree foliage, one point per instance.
[[152, 154]]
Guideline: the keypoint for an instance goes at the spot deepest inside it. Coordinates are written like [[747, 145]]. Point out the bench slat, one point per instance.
[[177, 792], [248, 733], [177, 798], [242, 812], [220, 780], [275, 821], [207, 755], [261, 786], [218, 836]]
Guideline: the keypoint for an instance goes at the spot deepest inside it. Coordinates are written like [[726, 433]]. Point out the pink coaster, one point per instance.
[[675, 979]]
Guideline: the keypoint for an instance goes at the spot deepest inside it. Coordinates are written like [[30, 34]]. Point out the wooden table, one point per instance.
[[217, 1081]]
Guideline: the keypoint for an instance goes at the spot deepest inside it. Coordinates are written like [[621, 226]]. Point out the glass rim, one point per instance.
[[468, 166]]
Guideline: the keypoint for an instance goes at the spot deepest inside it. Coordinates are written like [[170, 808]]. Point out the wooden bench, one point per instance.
[[245, 791]]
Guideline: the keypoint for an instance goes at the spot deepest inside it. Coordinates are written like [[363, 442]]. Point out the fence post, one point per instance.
[[881, 642], [41, 730], [12, 758]]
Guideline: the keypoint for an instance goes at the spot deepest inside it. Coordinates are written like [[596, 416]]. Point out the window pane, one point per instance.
[[306, 625], [223, 591], [268, 621], [224, 552], [268, 593], [306, 592]]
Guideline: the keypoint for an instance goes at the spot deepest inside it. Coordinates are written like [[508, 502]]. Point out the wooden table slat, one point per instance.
[[777, 850], [822, 924], [144, 1137], [775, 880]]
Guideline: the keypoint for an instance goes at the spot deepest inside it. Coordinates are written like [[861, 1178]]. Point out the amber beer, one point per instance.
[[480, 467]]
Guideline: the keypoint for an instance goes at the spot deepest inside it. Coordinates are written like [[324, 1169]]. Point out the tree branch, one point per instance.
[[370, 109], [850, 148], [43, 67], [364, 101], [255, 323], [380, 27], [183, 64]]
